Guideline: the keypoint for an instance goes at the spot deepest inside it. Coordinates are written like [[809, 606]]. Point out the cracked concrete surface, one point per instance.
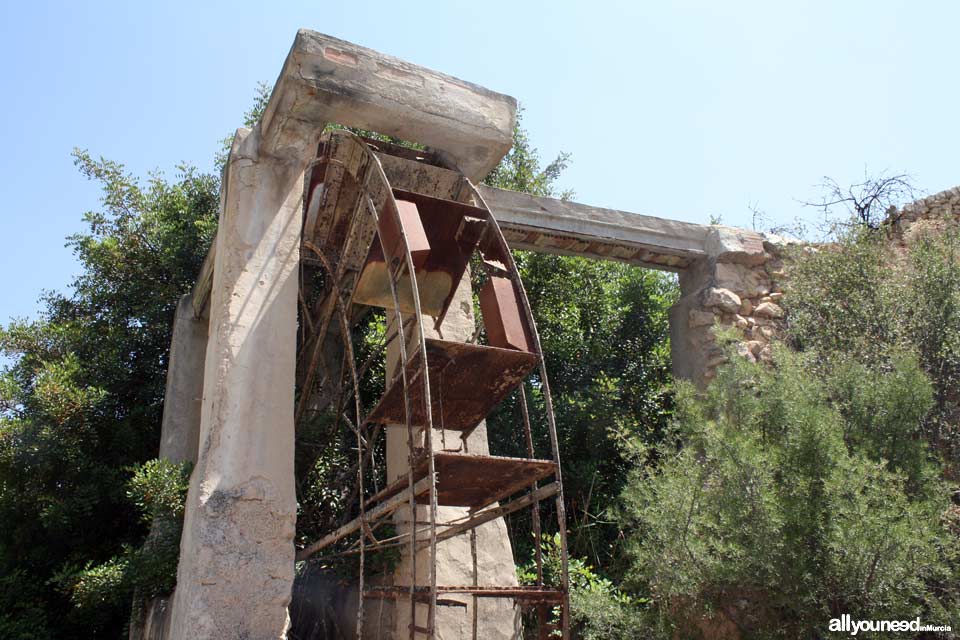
[[236, 552]]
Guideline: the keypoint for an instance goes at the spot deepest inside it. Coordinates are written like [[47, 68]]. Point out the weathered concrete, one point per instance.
[[329, 80], [548, 225], [236, 553], [495, 619], [325, 80], [154, 622], [180, 433]]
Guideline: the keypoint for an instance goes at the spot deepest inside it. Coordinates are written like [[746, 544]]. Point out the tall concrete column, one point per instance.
[[236, 553], [494, 619], [180, 431]]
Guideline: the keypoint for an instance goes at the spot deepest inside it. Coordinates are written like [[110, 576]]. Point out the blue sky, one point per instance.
[[679, 109]]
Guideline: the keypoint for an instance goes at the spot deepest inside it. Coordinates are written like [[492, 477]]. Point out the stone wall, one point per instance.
[[742, 280], [933, 213], [738, 285]]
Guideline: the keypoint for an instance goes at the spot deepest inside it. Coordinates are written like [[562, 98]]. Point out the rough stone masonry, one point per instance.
[[232, 406]]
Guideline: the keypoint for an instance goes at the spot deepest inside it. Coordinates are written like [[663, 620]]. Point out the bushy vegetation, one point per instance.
[[607, 398], [81, 400], [789, 495], [599, 610], [867, 299], [159, 489], [786, 495]]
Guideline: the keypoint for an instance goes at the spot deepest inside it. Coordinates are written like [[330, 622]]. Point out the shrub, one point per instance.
[[22, 616], [598, 609], [158, 488], [772, 517], [864, 301]]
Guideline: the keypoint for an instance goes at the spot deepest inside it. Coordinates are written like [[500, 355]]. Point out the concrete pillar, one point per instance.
[[691, 339], [180, 432], [495, 619], [236, 553]]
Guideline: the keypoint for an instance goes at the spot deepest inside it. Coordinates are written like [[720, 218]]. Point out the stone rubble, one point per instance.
[[738, 285]]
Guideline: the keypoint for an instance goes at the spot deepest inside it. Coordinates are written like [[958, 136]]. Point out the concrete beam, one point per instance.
[[327, 80], [548, 225]]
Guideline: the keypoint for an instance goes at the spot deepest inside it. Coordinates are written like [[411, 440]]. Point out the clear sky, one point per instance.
[[674, 109]]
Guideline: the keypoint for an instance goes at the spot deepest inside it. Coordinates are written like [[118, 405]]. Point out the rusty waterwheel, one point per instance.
[[392, 232]]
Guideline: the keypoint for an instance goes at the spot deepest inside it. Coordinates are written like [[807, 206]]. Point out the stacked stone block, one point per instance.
[[738, 285]]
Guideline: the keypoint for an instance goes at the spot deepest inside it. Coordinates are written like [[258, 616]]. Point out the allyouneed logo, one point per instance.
[[853, 627]]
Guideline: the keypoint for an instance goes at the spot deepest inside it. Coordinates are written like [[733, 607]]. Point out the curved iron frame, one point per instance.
[[397, 268]]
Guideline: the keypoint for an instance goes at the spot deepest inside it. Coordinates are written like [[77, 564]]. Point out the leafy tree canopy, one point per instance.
[[82, 400]]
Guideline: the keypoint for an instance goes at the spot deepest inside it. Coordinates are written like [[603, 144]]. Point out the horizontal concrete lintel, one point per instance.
[[524, 212], [327, 80], [519, 245], [671, 244]]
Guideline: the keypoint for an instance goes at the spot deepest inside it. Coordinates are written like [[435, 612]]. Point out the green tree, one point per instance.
[[82, 400], [81, 405], [159, 490]]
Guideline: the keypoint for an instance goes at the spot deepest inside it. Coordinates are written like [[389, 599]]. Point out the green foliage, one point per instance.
[[159, 489], [99, 587], [599, 610], [836, 301], [777, 512], [864, 301], [81, 400], [605, 333], [790, 494], [22, 615], [884, 419], [930, 288]]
